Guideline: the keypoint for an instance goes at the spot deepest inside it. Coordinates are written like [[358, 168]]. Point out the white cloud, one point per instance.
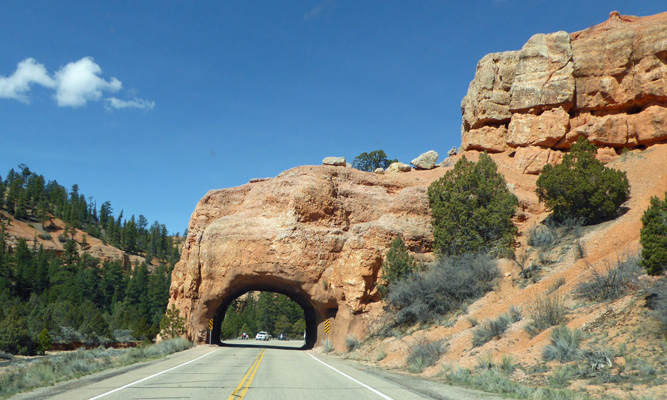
[[75, 85], [79, 82], [141, 104], [18, 84], [322, 8]]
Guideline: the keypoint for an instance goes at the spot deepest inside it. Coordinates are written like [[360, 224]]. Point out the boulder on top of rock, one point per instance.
[[452, 152], [379, 170], [426, 160], [335, 161], [398, 167]]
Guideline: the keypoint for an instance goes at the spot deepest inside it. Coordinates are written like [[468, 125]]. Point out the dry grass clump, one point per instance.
[[81, 362], [614, 283], [425, 354], [548, 311]]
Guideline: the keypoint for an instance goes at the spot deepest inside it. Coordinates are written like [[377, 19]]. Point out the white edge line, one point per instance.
[[152, 376], [384, 396]]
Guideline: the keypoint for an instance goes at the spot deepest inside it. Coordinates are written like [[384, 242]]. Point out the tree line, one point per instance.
[[28, 196], [67, 296]]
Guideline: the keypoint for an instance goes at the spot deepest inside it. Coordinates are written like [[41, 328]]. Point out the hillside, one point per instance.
[[522, 107], [71, 273], [35, 234], [624, 322]]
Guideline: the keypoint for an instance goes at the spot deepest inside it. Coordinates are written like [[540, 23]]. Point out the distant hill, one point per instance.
[[73, 273]]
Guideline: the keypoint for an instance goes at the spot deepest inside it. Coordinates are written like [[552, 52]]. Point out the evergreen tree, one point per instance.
[[397, 264], [472, 209], [581, 187], [70, 252], [369, 162], [44, 341], [653, 237], [137, 291], [172, 324]]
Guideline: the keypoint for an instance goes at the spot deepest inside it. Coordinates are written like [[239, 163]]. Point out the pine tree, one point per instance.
[[472, 210], [653, 237], [44, 341], [581, 187], [172, 324], [369, 162], [397, 264]]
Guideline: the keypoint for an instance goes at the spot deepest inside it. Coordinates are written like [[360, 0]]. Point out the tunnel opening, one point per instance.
[[257, 295]]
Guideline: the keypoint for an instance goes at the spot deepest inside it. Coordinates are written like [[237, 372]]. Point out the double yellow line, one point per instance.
[[242, 388]]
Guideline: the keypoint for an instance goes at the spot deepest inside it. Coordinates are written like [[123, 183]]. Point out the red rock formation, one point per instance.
[[317, 234], [607, 83]]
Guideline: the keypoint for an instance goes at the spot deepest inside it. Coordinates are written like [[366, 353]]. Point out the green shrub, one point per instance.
[[472, 210], [351, 342], [425, 354], [447, 286], [44, 341], [15, 338], [582, 187], [564, 345], [397, 264], [561, 377], [369, 162], [653, 237]]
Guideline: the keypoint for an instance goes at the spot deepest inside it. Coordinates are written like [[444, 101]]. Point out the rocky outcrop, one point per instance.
[[426, 160], [607, 83], [318, 233]]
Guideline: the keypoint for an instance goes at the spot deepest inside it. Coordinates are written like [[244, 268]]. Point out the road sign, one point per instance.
[[210, 324], [327, 325]]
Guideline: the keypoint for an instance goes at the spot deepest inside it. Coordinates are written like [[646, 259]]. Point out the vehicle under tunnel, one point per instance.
[[261, 308]]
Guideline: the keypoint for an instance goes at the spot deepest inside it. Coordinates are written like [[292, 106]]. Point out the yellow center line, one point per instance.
[[247, 378]]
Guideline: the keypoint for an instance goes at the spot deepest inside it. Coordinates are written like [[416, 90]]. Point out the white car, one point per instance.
[[262, 336]]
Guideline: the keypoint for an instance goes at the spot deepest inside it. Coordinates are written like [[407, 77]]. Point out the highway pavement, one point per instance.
[[252, 370]]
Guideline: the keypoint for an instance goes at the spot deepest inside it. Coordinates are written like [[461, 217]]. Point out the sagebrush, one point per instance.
[[425, 354], [447, 286], [613, 283]]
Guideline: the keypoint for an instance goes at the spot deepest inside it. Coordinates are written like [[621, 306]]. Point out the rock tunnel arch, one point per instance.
[[312, 316], [317, 234]]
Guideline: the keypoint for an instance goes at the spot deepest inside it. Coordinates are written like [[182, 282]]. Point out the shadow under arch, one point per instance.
[[298, 296]]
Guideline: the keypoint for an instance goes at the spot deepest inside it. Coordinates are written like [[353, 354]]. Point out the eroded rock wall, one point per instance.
[[318, 231], [607, 83]]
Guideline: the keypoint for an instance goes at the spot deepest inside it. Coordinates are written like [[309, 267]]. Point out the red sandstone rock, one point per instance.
[[315, 232], [528, 97]]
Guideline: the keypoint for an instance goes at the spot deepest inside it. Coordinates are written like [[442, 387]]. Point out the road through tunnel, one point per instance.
[[312, 316]]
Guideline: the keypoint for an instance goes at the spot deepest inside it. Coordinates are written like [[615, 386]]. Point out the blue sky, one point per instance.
[[150, 104]]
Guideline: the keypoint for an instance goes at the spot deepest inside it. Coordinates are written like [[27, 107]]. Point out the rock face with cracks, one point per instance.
[[316, 233], [607, 83]]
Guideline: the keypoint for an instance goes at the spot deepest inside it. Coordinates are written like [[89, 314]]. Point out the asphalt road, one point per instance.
[[252, 371]]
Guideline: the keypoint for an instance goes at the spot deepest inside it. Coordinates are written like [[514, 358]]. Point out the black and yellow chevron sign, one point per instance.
[[210, 324], [327, 325]]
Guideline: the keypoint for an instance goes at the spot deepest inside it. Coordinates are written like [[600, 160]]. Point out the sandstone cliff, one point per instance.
[[315, 233], [607, 83]]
